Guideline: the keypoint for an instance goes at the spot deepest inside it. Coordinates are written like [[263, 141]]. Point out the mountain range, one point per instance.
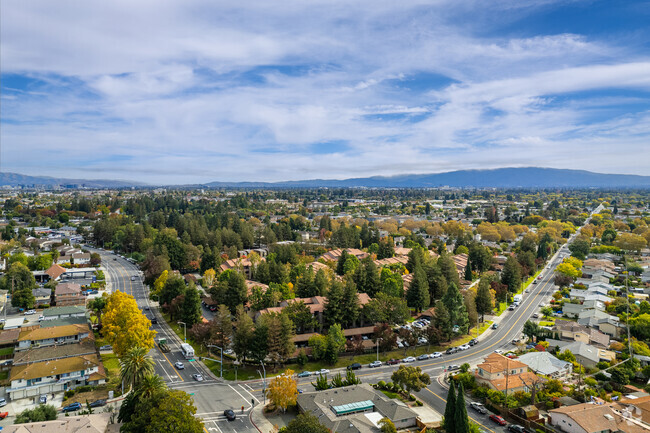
[[526, 177]]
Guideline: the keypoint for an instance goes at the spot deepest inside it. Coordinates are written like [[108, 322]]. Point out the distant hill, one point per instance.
[[15, 179], [528, 177]]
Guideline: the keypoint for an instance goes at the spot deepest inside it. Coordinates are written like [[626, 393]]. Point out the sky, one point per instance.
[[169, 92]]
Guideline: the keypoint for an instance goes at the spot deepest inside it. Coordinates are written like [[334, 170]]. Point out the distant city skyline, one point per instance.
[[199, 91]]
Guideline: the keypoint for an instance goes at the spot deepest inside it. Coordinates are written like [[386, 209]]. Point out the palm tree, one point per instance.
[[135, 366], [97, 305], [149, 386]]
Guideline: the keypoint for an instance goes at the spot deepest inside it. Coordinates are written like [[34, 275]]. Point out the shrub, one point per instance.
[[69, 393], [381, 384], [600, 376], [591, 382], [550, 405], [608, 387]]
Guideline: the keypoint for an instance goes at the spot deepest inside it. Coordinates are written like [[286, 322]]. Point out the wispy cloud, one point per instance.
[[194, 91]]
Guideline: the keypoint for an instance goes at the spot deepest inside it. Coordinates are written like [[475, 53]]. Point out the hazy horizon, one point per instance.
[[194, 91]]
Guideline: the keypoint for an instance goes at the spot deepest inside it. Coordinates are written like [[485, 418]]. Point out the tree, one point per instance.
[[191, 307], [547, 311], [450, 409], [334, 308], [580, 248], [335, 343], [135, 365], [149, 386], [531, 329], [448, 269], [97, 306], [417, 295], [351, 306], [166, 411], [568, 270], [468, 271], [243, 334], [40, 413], [221, 327], [124, 325], [442, 321], [411, 378], [640, 326], [483, 299], [385, 335], [630, 242], [18, 278], [511, 274], [208, 277], [391, 283], [340, 266], [461, 421], [232, 290], [455, 304], [386, 425], [174, 286], [283, 390], [383, 308], [304, 423], [301, 316], [280, 333]]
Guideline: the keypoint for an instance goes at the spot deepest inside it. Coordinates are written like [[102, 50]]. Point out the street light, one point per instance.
[[263, 381], [220, 362], [378, 347], [184, 330]]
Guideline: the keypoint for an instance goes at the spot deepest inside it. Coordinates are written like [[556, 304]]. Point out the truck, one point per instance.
[[517, 299], [162, 344]]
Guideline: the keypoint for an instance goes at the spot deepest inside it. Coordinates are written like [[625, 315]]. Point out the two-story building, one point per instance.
[[55, 313], [501, 373], [80, 258], [68, 294], [41, 337], [596, 418], [37, 378], [576, 332]]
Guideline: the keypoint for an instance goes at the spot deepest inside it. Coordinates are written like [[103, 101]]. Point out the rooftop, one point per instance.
[[496, 362], [53, 368]]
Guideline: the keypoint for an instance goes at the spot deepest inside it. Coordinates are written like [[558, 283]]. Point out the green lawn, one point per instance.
[[501, 308], [6, 351], [112, 367]]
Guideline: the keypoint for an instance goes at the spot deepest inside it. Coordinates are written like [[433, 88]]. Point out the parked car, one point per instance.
[[106, 347], [229, 414], [453, 367], [478, 407], [393, 361], [374, 364], [408, 359], [355, 366], [323, 371], [179, 365], [72, 407], [435, 355], [516, 428], [133, 278], [497, 419], [198, 377], [4, 415], [422, 340], [304, 374], [3, 402], [98, 403], [30, 312], [515, 340], [535, 315], [499, 351], [451, 350], [463, 347], [42, 399], [511, 307], [423, 357], [400, 345], [495, 325], [473, 342]]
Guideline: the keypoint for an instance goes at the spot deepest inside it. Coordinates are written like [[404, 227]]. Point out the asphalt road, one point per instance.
[[211, 396]]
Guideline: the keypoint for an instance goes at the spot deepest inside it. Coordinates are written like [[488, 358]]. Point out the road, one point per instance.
[[212, 396]]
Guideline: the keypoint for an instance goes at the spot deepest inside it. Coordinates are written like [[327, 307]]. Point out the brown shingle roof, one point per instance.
[[57, 331], [55, 271], [51, 368], [9, 336], [514, 381], [496, 362], [600, 417]]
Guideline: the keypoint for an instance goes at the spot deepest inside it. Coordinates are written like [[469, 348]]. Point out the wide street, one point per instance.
[[213, 396]]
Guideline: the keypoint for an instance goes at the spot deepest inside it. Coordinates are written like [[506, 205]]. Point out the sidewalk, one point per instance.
[[258, 419]]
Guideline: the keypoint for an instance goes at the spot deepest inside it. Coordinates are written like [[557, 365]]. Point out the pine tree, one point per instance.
[[483, 299], [417, 295], [350, 303], [450, 410], [442, 321], [511, 274], [334, 307], [340, 266], [461, 422], [455, 304], [320, 283]]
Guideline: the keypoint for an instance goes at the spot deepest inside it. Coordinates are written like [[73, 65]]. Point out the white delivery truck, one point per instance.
[[187, 350], [517, 299]]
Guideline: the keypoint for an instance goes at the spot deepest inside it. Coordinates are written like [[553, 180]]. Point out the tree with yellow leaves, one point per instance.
[[208, 278], [160, 282], [283, 390], [124, 325]]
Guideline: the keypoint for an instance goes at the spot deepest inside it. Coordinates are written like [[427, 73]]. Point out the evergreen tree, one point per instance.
[[455, 304], [235, 293], [191, 308], [386, 248], [334, 308], [262, 273], [418, 256], [417, 295], [448, 269], [437, 281], [461, 421], [483, 298], [351, 305], [450, 409], [305, 287], [340, 265], [243, 334], [442, 321], [320, 283], [372, 280], [511, 274]]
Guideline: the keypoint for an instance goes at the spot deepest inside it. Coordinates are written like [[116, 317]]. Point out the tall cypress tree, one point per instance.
[[450, 410], [461, 422], [468, 270]]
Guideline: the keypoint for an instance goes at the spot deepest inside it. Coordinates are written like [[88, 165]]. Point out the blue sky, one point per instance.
[[195, 91]]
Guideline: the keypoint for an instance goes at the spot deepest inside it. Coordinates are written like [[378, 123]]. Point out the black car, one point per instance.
[[153, 320], [98, 403], [354, 366], [229, 414], [514, 428], [473, 342]]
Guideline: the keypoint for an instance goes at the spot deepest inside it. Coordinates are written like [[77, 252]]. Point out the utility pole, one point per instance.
[[184, 331], [627, 306], [378, 348]]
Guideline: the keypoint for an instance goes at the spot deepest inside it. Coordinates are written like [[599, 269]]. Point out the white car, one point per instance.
[[422, 340], [179, 365], [198, 377], [436, 355], [464, 347], [409, 359], [323, 371], [30, 312], [499, 351], [374, 364]]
